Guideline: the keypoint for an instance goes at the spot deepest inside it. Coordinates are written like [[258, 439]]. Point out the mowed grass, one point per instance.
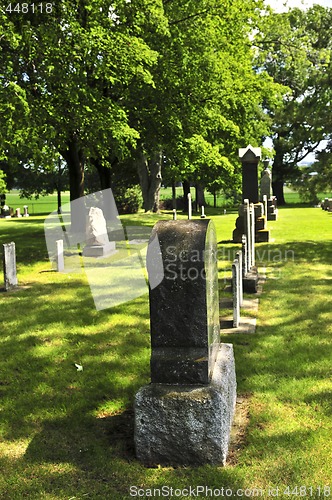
[[68, 434], [46, 204]]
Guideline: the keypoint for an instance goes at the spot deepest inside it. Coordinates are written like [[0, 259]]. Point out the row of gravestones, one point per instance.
[[184, 416], [9, 266], [326, 204], [97, 245]]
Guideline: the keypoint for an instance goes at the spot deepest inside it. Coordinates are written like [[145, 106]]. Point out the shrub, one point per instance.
[[128, 200]]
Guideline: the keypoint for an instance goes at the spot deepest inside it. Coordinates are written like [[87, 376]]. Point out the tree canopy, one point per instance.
[[295, 49], [170, 88]]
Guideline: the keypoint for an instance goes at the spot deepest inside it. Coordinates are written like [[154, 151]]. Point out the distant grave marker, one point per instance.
[[9, 266]]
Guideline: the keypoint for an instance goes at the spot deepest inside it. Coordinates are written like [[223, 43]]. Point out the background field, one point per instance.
[[47, 204]]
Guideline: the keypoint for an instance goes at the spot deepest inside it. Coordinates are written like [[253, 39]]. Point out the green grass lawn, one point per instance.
[[68, 434], [47, 204]]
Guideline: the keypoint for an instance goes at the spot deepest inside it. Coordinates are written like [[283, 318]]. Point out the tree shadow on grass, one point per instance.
[[29, 239]]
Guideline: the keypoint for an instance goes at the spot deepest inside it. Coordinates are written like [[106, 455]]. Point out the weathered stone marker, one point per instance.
[[184, 310], [189, 206], [252, 234], [184, 416], [9, 266], [245, 259], [271, 211], [266, 184], [265, 204]]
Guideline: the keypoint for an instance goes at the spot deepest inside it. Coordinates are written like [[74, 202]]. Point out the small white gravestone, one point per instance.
[[252, 233], [266, 184], [236, 292], [189, 207], [60, 263], [98, 244], [26, 213], [245, 260], [239, 257], [9, 265], [248, 229]]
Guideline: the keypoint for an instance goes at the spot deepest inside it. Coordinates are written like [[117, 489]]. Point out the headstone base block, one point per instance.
[[250, 281], [187, 425], [262, 236], [273, 216]]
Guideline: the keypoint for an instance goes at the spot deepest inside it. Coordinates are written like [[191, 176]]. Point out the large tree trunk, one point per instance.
[[59, 199], [149, 173], [104, 173], [105, 177], [278, 173], [200, 199], [278, 191], [75, 161]]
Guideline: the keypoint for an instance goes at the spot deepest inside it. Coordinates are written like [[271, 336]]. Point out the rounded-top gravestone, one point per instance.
[[184, 306]]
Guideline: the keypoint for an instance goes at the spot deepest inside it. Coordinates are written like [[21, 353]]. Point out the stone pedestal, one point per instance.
[[250, 281], [186, 424], [60, 262], [262, 234], [272, 211], [236, 292]]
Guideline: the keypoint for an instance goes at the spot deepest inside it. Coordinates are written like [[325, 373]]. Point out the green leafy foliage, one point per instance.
[[74, 70], [3, 186], [295, 49], [99, 84]]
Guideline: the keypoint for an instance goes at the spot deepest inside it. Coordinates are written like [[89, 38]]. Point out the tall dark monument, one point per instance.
[[250, 157]]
